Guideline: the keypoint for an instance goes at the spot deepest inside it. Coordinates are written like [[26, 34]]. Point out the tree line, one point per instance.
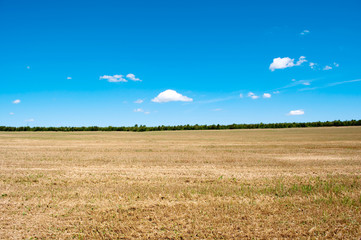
[[143, 128]]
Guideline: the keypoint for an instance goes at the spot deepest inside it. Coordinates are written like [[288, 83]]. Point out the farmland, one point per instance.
[[230, 184]]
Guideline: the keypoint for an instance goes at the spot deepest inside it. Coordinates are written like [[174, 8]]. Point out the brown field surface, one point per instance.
[[229, 184]]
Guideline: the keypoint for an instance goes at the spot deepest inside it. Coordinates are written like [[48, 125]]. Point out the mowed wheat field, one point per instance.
[[226, 184]]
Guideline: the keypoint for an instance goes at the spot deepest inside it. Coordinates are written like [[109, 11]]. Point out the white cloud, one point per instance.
[[114, 78], [304, 32], [296, 83], [276, 92], [217, 100], [313, 65], [132, 77], [296, 112], [286, 62], [217, 109], [331, 85], [140, 110], [171, 96], [301, 60], [11, 113], [17, 101], [266, 95], [252, 95], [139, 101], [30, 120], [343, 82], [69, 78], [327, 68], [241, 95]]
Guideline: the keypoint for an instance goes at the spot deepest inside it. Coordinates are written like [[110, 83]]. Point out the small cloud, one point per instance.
[[139, 101], [30, 120], [217, 109], [17, 101], [305, 32], [301, 60], [276, 92], [296, 83], [327, 67], [114, 78], [171, 96], [132, 77], [69, 78], [300, 82], [331, 85], [241, 95], [217, 100], [252, 95], [286, 62], [11, 113], [140, 110], [343, 82], [266, 95], [313, 65], [296, 112]]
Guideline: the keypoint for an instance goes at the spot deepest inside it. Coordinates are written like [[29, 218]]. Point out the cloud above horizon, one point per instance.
[[266, 95], [312, 65], [286, 62], [114, 78], [119, 78], [252, 95], [305, 32], [139, 101], [330, 85], [296, 112], [328, 67], [17, 101], [171, 96], [316, 66], [132, 77], [140, 110], [343, 82]]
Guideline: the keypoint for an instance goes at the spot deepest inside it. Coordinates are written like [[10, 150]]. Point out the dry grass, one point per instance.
[[284, 183]]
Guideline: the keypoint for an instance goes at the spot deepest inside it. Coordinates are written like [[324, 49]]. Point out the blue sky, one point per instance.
[[67, 63]]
